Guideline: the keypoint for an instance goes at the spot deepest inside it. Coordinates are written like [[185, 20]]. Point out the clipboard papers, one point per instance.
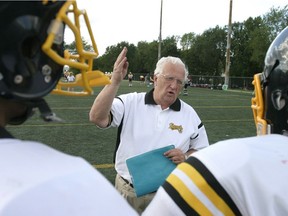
[[149, 170]]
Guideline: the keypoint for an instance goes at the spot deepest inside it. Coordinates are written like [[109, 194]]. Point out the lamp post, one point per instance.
[[160, 32], [228, 63]]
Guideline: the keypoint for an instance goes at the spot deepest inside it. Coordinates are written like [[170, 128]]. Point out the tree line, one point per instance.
[[204, 54]]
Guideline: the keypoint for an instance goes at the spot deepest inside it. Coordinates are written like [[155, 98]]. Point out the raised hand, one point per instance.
[[120, 67]]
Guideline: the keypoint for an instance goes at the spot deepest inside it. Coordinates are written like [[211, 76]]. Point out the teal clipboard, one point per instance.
[[149, 170]]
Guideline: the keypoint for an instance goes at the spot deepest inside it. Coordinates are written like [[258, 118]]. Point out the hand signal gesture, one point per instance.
[[120, 67]]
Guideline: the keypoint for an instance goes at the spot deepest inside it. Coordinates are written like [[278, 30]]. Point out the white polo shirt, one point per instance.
[[146, 127]]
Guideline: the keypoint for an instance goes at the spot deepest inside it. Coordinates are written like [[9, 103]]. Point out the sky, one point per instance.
[[114, 21]]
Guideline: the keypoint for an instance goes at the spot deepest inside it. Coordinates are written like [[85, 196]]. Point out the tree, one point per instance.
[[147, 56], [276, 20], [169, 46], [106, 61], [187, 41], [72, 46], [206, 56], [247, 56]]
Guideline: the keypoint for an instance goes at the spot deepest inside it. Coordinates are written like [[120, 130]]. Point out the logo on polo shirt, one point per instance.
[[172, 126]]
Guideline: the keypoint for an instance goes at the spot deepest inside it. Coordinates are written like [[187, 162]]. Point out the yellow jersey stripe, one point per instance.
[[188, 196], [201, 183]]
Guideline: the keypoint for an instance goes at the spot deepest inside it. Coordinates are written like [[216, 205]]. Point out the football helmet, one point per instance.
[[66, 68], [270, 103], [32, 49]]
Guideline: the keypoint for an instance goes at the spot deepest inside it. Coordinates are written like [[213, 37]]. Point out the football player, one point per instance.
[[34, 178], [246, 176]]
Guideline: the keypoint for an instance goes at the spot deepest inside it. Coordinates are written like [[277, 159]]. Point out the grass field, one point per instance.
[[225, 114]]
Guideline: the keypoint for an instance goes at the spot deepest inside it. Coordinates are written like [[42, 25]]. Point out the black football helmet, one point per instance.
[[26, 71], [270, 104], [32, 53]]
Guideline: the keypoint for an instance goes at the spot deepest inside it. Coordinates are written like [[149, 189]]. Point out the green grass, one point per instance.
[[225, 114]]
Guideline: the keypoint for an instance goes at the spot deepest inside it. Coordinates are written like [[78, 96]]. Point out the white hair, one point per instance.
[[170, 59]]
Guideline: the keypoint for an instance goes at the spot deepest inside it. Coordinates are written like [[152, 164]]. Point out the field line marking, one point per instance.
[[103, 166], [217, 107], [53, 125], [91, 124], [229, 120]]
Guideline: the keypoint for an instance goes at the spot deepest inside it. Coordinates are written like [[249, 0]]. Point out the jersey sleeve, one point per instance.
[[194, 191], [200, 140]]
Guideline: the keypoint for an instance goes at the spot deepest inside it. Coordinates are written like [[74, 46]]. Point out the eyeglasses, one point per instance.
[[171, 79]]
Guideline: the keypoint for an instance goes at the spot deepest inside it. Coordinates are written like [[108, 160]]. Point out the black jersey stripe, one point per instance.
[[178, 199], [200, 125], [192, 138], [119, 131], [213, 182]]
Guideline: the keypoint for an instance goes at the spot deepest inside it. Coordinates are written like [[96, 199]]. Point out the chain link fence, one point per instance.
[[215, 82]]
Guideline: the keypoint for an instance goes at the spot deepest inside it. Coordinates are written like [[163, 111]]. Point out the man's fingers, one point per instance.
[[120, 56]]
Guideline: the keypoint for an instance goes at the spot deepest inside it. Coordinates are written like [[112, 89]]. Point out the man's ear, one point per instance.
[[155, 78]]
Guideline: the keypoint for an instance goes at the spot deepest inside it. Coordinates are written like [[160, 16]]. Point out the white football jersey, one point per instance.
[[36, 180], [246, 176]]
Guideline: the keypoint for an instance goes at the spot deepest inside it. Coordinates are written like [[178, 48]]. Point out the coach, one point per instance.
[[148, 121]]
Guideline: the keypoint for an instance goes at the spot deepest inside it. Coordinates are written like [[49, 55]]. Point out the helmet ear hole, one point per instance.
[[30, 47]]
